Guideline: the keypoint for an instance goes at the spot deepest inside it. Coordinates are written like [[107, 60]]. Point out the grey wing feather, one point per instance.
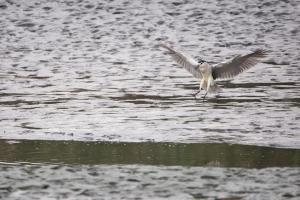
[[188, 63], [237, 65]]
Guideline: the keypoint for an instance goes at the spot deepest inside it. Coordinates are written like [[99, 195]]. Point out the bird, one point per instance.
[[207, 74]]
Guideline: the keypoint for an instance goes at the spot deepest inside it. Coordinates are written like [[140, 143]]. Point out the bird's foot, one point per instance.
[[195, 94]]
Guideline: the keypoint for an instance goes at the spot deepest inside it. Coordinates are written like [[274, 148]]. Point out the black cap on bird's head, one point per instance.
[[200, 61]]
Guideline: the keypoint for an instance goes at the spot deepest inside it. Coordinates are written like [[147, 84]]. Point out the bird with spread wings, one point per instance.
[[207, 74]]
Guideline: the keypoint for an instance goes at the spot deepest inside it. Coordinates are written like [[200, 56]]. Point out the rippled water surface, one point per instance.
[[92, 71], [147, 182]]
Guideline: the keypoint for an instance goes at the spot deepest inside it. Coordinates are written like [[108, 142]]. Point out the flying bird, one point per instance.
[[207, 74]]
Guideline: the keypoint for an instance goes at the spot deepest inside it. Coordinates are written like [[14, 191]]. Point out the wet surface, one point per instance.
[[90, 75], [92, 71], [148, 153]]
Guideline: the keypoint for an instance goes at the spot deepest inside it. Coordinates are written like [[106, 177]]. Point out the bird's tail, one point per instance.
[[215, 88]]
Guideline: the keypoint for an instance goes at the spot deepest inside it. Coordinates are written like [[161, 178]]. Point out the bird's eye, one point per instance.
[[200, 61]]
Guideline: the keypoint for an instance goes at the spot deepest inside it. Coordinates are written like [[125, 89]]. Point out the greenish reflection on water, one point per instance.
[[149, 153]]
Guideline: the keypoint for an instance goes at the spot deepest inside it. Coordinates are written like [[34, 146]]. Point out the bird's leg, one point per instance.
[[200, 87], [205, 95], [207, 88]]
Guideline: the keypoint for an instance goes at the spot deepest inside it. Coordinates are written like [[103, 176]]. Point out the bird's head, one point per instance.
[[201, 65], [201, 61]]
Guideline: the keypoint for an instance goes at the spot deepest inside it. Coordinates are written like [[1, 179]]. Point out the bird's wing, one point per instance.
[[237, 65], [188, 63]]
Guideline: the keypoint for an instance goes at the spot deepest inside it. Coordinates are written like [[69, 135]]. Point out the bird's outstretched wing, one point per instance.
[[188, 63], [237, 65]]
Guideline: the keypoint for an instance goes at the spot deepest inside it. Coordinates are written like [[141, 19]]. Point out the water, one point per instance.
[[147, 182], [91, 71], [148, 153], [92, 170]]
